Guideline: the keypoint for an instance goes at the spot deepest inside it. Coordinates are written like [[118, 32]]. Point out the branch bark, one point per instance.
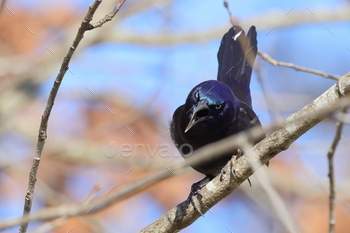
[[330, 156], [183, 215], [274, 62], [267, 21], [109, 16], [85, 25], [297, 124]]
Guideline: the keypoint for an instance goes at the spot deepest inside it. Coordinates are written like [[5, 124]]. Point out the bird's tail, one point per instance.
[[236, 58]]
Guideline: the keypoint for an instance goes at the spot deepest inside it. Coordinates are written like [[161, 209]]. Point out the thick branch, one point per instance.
[[297, 124], [181, 216]]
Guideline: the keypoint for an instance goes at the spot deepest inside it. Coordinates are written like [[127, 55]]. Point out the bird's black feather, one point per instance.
[[216, 109], [236, 57]]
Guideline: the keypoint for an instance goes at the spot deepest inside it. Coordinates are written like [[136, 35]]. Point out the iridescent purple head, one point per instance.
[[211, 105]]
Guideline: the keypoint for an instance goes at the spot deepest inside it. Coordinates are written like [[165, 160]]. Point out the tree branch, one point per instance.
[[274, 62], [109, 16], [270, 20], [330, 156], [297, 124], [85, 25], [183, 215]]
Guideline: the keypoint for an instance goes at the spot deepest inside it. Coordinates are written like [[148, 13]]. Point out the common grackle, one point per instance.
[[218, 109]]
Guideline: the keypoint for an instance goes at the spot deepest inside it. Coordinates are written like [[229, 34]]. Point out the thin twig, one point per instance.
[[274, 62], [244, 41], [271, 106], [2, 6], [275, 199], [232, 20], [330, 156], [50, 226], [85, 25], [109, 16], [183, 215], [264, 21]]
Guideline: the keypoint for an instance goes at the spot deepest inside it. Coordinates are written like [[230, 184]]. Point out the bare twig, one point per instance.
[[109, 16], [232, 20], [271, 106], [85, 25], [2, 6], [330, 156], [244, 41], [183, 215], [274, 62], [264, 21], [47, 227], [50, 226], [297, 124], [276, 201]]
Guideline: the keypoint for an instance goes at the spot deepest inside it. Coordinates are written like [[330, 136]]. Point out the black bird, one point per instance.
[[218, 109]]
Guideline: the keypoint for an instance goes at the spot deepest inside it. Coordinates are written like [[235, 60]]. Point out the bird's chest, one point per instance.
[[199, 139]]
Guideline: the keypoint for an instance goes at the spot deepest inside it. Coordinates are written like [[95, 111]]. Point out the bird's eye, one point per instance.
[[218, 106]]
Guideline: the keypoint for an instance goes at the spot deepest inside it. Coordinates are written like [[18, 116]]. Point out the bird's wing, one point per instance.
[[177, 128], [246, 120], [236, 58]]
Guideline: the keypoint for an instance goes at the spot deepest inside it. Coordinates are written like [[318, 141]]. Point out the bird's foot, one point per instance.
[[239, 154], [194, 192]]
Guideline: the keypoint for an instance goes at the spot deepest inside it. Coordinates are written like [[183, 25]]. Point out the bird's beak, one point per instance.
[[200, 113]]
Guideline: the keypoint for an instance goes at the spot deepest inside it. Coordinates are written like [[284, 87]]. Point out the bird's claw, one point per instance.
[[239, 154], [194, 192]]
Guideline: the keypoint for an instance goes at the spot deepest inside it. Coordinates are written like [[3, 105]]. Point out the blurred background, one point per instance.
[[123, 85]]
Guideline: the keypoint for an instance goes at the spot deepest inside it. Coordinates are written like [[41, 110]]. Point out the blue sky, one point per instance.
[[136, 72]]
